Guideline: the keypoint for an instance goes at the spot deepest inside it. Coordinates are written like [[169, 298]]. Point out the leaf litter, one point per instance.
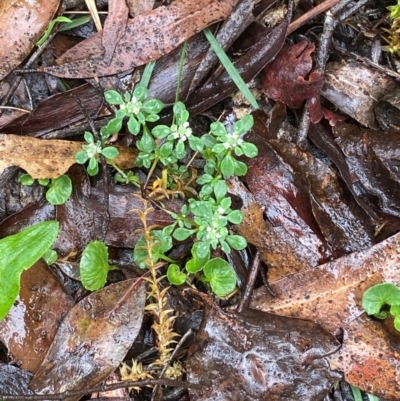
[[316, 239]]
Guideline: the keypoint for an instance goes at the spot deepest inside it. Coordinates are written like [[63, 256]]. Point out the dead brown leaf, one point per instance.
[[331, 295], [147, 37], [29, 328], [137, 7], [21, 25], [43, 158]]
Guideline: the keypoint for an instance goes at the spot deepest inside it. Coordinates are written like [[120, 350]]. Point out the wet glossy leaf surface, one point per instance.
[[29, 328], [256, 355], [93, 339]]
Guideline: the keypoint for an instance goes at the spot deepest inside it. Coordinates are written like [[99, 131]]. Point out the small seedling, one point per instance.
[[60, 188], [383, 300]]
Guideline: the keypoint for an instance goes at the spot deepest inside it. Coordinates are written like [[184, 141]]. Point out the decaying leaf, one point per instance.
[[43, 158], [284, 78], [93, 339], [260, 356], [29, 328], [21, 24], [147, 37], [331, 295], [137, 7], [373, 158], [14, 381]]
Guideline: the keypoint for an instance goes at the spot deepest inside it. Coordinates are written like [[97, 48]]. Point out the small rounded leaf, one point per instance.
[[235, 217], [236, 242], [110, 152], [175, 276], [113, 97], [381, 294], [60, 190], [218, 128], [249, 149], [181, 234], [26, 179], [221, 276], [228, 166], [81, 157]]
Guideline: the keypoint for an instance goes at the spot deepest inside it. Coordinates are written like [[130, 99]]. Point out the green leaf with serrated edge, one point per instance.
[[26, 179], [50, 256], [236, 242], [381, 294], [81, 157], [181, 234], [174, 275], [113, 97], [88, 137], [228, 166], [94, 266], [110, 152], [221, 276], [140, 92], [60, 190], [133, 125], [160, 243], [235, 217], [196, 264], [249, 149], [18, 253]]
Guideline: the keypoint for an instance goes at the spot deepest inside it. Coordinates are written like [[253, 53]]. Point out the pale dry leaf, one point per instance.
[[48, 158], [22, 22]]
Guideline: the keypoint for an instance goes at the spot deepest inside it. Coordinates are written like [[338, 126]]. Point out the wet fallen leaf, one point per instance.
[[46, 116], [22, 22], [43, 158], [137, 7], [29, 328], [93, 339], [14, 381], [331, 295], [285, 78], [260, 356], [373, 158], [147, 37]]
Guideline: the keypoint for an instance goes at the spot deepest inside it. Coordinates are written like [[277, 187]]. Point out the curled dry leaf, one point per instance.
[[331, 295], [43, 158], [147, 37], [93, 339], [259, 356], [29, 328], [22, 22]]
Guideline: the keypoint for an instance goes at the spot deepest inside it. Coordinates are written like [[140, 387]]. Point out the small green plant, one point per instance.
[[59, 189], [383, 300], [393, 38], [48, 30], [92, 152]]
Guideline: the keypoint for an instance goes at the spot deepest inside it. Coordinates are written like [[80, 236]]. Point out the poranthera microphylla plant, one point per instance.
[[206, 215]]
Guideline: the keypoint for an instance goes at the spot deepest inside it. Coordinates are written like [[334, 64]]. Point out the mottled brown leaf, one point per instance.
[[29, 328], [331, 295], [147, 37], [285, 79], [260, 356], [93, 339], [42, 158], [22, 22]]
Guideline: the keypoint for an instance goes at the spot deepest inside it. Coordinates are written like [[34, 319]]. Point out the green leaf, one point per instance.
[[43, 181], [218, 128], [196, 144], [114, 126], [174, 275], [381, 294], [221, 276], [18, 253], [113, 97], [228, 166], [236, 242], [152, 118], [181, 234], [88, 137], [152, 106], [160, 243], [94, 266], [48, 30], [60, 190], [240, 168], [201, 251], [161, 131], [220, 189], [140, 92], [244, 124], [50, 256], [196, 264], [93, 168], [356, 393], [235, 217], [26, 179], [133, 125], [81, 157], [110, 152], [230, 68], [249, 149]]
